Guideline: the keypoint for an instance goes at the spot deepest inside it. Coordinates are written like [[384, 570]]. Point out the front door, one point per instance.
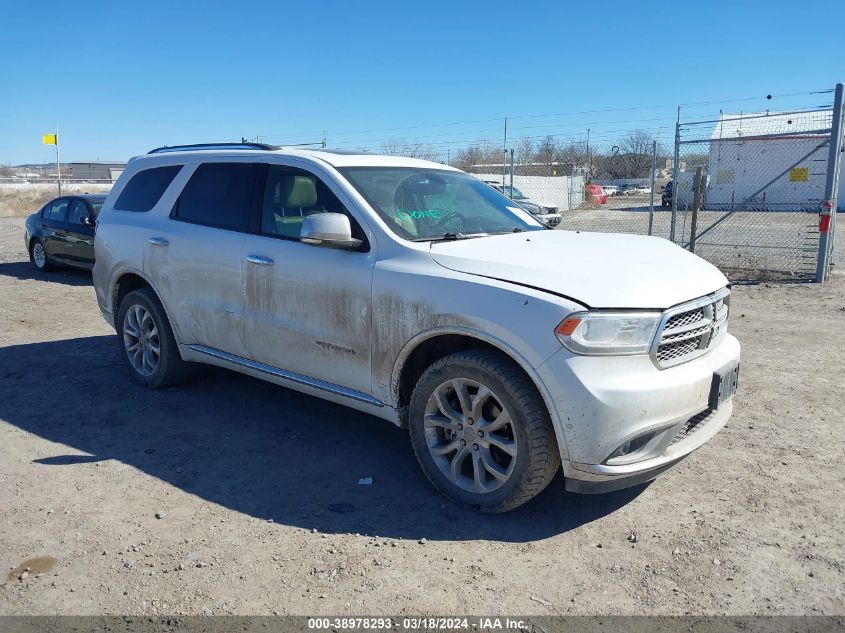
[[79, 237], [307, 309]]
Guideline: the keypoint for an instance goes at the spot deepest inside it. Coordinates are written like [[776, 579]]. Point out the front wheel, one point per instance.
[[481, 431], [146, 341]]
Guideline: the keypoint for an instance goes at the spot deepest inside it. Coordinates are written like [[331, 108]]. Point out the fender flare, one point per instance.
[[503, 346], [129, 270]]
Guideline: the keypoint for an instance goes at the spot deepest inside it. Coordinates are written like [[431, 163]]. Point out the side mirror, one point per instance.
[[331, 230]]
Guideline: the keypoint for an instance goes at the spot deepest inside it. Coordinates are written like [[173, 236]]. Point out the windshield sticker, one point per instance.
[[418, 214]]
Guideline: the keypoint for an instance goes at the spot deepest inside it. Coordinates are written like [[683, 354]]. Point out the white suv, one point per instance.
[[415, 292]]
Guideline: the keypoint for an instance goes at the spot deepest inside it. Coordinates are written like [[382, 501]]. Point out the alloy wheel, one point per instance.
[[38, 255], [141, 340], [470, 435]]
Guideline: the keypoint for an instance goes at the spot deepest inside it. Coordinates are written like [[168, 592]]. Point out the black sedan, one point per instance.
[[62, 232]]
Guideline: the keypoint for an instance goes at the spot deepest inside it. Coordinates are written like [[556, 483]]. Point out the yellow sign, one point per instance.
[[48, 139], [799, 174]]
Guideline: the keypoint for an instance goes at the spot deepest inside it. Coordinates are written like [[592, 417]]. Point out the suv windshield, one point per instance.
[[430, 204]]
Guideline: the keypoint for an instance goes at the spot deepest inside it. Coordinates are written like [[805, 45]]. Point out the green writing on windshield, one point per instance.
[[418, 214]]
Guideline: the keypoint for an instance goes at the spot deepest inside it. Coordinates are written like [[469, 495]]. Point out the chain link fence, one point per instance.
[[746, 191]]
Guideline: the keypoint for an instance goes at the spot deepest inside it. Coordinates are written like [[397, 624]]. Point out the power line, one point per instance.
[[687, 105]]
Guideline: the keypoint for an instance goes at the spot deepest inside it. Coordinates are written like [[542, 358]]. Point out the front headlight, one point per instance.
[[608, 333]]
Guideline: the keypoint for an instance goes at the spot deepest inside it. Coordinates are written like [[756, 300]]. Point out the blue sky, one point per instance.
[[120, 78]]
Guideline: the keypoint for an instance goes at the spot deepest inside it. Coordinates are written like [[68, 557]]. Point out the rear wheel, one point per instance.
[[38, 256], [146, 341], [481, 432]]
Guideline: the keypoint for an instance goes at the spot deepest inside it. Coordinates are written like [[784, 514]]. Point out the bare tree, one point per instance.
[[523, 151], [573, 157], [547, 152], [402, 147], [631, 158], [479, 158]]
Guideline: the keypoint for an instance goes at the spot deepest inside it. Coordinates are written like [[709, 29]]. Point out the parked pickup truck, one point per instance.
[[415, 292]]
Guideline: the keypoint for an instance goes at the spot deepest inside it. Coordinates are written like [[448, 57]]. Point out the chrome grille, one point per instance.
[[685, 318], [689, 330]]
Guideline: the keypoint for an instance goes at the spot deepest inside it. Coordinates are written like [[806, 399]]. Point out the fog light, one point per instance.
[[631, 446]]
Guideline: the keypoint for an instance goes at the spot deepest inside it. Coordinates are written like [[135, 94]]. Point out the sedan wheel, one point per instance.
[[141, 340], [470, 435], [39, 256]]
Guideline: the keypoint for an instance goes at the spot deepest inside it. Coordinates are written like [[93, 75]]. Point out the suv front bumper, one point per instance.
[[605, 402]]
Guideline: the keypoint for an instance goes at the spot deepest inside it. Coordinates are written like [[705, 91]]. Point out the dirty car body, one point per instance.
[[505, 347]]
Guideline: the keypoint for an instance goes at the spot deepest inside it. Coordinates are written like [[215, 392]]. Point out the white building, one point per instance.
[[562, 192], [769, 157]]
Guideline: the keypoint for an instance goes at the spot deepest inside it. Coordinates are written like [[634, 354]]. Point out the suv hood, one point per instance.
[[599, 270]]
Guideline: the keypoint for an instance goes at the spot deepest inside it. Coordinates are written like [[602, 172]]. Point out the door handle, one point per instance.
[[259, 260], [158, 241]]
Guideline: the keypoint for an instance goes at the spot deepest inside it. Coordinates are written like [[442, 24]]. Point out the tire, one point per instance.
[[438, 438], [35, 257], [141, 319]]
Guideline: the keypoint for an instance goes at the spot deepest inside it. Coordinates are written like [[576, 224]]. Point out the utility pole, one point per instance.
[[325, 139], [589, 158], [505, 153], [675, 169], [511, 193], [58, 163], [651, 198], [827, 217]]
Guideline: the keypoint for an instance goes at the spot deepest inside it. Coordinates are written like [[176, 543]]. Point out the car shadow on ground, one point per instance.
[[256, 448], [27, 270]]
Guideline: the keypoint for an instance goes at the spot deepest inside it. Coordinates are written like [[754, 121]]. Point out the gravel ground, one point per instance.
[[230, 495]]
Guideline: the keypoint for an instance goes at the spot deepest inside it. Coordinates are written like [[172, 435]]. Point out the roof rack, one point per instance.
[[201, 146]]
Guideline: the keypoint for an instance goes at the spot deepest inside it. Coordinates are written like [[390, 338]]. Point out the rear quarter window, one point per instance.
[[144, 189]]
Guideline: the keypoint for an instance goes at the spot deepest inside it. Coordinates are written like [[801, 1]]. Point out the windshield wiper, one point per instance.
[[446, 237]]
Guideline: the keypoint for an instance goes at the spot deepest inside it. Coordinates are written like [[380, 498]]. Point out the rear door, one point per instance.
[[79, 238], [195, 258], [54, 228]]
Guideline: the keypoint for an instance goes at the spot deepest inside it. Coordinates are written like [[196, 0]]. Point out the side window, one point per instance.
[[58, 212], [219, 195], [290, 195], [78, 211], [144, 189], [45, 210]]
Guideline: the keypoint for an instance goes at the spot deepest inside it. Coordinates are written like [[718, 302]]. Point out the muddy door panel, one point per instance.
[[197, 271], [307, 309]]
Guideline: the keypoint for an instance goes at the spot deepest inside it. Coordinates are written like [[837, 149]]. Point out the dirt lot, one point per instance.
[[261, 510]]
